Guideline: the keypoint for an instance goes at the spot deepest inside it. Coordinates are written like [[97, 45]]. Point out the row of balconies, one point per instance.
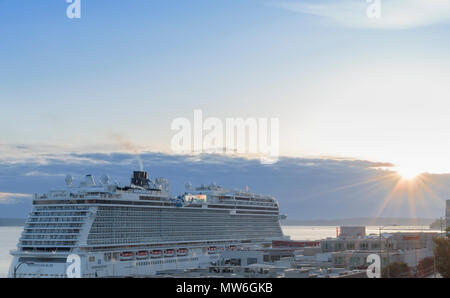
[[55, 219], [52, 225], [47, 237], [49, 233], [61, 208], [41, 243], [58, 213], [125, 235]]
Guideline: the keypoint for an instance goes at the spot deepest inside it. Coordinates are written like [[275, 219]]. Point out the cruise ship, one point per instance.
[[139, 230]]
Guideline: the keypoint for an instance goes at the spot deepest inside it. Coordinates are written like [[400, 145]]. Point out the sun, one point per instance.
[[407, 173]]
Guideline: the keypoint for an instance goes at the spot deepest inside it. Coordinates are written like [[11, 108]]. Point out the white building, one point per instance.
[[358, 259], [395, 241], [352, 232]]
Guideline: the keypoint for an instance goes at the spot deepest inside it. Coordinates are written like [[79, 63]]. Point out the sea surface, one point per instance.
[[9, 237]]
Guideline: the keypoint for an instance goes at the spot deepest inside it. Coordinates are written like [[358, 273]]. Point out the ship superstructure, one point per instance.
[[139, 230]]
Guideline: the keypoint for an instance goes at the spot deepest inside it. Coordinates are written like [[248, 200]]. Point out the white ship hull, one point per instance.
[[98, 267]]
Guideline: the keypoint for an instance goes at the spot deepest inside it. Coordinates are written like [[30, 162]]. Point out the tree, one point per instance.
[[442, 254], [425, 267], [437, 224], [396, 270]]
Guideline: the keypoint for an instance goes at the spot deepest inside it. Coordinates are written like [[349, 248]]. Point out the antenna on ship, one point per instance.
[[162, 183], [104, 179], [69, 180]]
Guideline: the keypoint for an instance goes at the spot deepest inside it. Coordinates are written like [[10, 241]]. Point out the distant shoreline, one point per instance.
[[12, 222]]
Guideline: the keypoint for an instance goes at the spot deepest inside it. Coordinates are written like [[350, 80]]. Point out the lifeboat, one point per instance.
[[156, 253], [169, 252], [182, 251], [212, 250], [143, 254], [232, 247], [126, 256]]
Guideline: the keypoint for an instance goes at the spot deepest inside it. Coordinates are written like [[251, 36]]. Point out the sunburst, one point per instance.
[[408, 173]]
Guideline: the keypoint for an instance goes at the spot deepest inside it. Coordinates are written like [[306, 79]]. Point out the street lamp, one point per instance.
[[387, 248], [434, 254], [20, 264]]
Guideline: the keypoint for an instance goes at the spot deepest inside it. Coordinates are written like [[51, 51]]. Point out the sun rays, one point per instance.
[[414, 187], [399, 190], [391, 192]]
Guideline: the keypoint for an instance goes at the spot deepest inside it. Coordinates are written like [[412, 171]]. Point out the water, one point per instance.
[[9, 237]]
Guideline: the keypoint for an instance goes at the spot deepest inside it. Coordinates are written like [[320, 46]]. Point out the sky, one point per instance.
[[341, 84]]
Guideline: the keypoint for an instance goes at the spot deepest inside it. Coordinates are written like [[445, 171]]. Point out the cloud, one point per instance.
[[12, 198], [43, 174], [395, 14], [307, 188]]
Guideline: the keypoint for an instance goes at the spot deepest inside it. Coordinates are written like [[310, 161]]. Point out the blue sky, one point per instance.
[[67, 82], [341, 84]]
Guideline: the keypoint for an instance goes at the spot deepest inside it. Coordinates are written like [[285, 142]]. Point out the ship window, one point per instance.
[[91, 259], [107, 257], [251, 261]]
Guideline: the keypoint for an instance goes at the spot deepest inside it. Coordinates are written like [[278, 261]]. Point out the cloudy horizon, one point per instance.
[[306, 188]]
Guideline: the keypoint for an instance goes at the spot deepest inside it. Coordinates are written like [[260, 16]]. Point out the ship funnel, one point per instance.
[[140, 178]]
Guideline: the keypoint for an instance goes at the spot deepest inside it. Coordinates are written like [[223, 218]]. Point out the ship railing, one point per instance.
[[48, 234], [35, 222], [40, 197], [56, 216], [51, 240], [41, 251]]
